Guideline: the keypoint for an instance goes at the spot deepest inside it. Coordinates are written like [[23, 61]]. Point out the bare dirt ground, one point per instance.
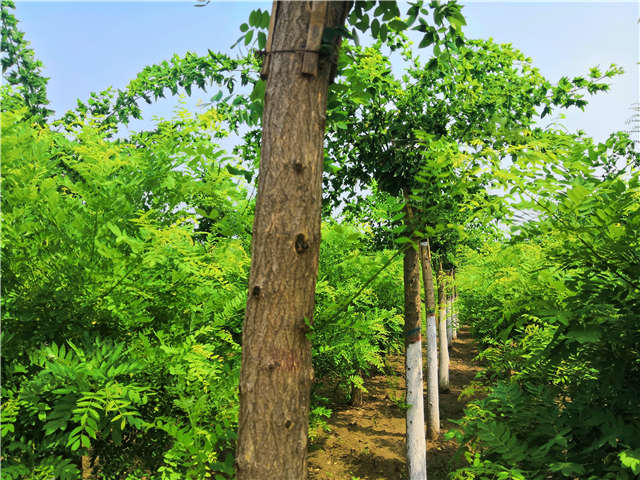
[[368, 442]]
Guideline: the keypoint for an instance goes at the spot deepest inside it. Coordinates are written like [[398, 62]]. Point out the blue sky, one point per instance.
[[88, 46]]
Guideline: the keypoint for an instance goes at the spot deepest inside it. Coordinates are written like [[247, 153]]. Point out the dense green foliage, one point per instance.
[[121, 320], [435, 135], [558, 320], [122, 317]]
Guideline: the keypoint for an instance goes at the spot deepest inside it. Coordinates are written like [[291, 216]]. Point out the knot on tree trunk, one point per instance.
[[301, 243]]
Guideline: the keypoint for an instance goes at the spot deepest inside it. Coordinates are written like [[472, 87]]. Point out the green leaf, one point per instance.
[[457, 20], [255, 18], [363, 24], [397, 25], [114, 229], [375, 28], [354, 36], [248, 37], [262, 40], [588, 334], [383, 32], [426, 41], [53, 425], [398, 216], [631, 460], [266, 18]]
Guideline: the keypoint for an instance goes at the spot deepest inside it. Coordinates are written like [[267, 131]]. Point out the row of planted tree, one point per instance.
[[126, 262]]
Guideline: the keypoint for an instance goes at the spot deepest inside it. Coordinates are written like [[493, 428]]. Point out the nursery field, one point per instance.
[[388, 273]]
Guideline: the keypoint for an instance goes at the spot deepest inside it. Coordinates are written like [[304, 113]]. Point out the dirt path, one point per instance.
[[368, 442]]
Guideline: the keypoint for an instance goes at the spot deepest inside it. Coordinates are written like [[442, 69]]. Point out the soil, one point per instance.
[[368, 442]]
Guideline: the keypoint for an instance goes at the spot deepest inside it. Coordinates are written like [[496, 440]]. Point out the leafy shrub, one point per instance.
[[75, 397], [121, 319], [558, 321]]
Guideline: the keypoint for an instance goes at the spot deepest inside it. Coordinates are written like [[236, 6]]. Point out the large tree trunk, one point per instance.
[[276, 373], [442, 328], [416, 443], [433, 407]]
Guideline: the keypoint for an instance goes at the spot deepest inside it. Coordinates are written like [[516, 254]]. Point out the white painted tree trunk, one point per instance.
[[433, 402], [449, 319], [454, 305], [443, 365], [416, 439], [454, 318], [416, 443]]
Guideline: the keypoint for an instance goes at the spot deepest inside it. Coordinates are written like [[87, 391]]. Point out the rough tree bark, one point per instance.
[[443, 366], [276, 373], [416, 442], [87, 467], [433, 402]]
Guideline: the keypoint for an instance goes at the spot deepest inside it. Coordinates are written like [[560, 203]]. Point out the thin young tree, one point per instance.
[[443, 366], [433, 401], [449, 316], [454, 305], [416, 442]]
